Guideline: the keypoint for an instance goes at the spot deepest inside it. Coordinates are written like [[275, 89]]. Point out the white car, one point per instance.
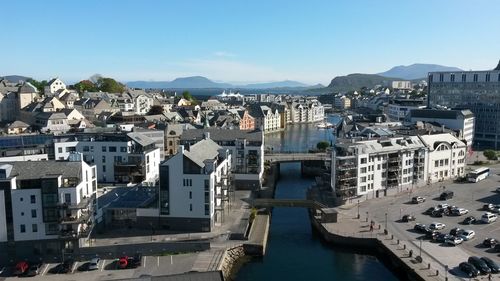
[[488, 217], [443, 206], [455, 240], [437, 226], [468, 234], [460, 211]]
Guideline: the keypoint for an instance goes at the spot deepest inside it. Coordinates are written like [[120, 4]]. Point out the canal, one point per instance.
[[294, 251]]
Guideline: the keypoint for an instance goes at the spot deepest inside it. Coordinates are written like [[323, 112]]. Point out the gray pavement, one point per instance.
[[471, 196]]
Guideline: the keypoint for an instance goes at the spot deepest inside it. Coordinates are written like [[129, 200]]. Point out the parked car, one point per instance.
[[430, 210], [432, 234], [437, 213], [496, 249], [479, 264], [490, 242], [34, 269], [491, 264], [469, 269], [460, 211], [488, 207], [420, 227], [417, 199], [446, 195], [437, 226], [443, 206], [122, 262], [135, 261], [496, 209], [441, 238], [468, 234], [469, 220], [21, 268], [488, 217], [456, 231], [93, 264], [407, 218], [62, 268], [454, 240]]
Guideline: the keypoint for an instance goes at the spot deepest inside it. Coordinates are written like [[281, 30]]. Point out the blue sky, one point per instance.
[[243, 41]]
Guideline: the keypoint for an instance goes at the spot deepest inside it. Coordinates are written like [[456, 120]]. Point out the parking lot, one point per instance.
[[107, 269], [471, 196]]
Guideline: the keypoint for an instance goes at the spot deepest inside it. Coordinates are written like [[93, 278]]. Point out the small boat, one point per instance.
[[324, 125]]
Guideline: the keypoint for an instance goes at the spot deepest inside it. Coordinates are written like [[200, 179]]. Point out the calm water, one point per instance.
[[294, 252]]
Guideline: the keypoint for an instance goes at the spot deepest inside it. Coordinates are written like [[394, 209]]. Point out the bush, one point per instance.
[[322, 145], [490, 154]]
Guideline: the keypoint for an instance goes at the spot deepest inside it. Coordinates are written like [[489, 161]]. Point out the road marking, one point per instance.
[[144, 263], [171, 259], [45, 270], [103, 265], [158, 261], [74, 267]]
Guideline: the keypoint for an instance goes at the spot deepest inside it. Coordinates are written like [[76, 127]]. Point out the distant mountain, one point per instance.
[[358, 80], [415, 71], [16, 78], [270, 85], [200, 82]]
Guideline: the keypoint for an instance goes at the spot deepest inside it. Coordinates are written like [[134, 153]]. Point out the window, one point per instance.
[[123, 149], [487, 77], [464, 77], [187, 182], [22, 214], [103, 149], [363, 170], [446, 162], [207, 209], [452, 77], [33, 199], [436, 163], [103, 159], [190, 207], [441, 77], [33, 213], [67, 198], [59, 149], [475, 77], [22, 228], [34, 227], [21, 199], [86, 149], [363, 160], [112, 149], [363, 179], [104, 168], [190, 195]]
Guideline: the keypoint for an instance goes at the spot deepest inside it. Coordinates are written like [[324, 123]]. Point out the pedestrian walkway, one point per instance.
[[208, 260]]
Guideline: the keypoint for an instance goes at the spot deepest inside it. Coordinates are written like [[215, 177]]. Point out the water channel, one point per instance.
[[294, 251]]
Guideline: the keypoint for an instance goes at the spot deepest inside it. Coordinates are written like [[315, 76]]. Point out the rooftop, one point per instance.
[[223, 135], [25, 170]]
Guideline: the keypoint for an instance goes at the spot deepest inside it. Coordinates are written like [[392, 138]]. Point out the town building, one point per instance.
[[54, 86], [246, 148], [342, 102], [9, 106], [194, 187], [46, 207], [398, 109], [26, 147], [372, 168], [402, 85], [119, 157], [478, 91], [458, 120]]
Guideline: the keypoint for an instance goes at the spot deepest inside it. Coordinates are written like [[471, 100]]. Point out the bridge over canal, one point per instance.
[[290, 203], [297, 157]]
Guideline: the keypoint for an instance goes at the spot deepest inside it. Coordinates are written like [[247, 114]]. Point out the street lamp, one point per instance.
[[385, 220], [358, 209], [366, 216]]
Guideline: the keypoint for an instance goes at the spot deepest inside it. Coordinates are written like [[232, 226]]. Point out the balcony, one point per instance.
[[85, 203], [393, 169], [394, 160], [84, 218], [72, 234], [346, 167], [346, 177]]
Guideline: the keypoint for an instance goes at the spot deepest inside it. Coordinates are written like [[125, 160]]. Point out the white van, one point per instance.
[[488, 218]]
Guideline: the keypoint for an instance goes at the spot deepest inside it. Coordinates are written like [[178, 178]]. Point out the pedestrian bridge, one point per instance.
[[297, 157], [291, 203]]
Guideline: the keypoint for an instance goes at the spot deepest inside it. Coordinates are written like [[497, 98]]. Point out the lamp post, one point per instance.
[[358, 209], [366, 216], [385, 220]]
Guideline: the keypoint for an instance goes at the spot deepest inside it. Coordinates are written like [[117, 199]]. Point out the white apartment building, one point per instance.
[[53, 86], [119, 157], [194, 187], [46, 206], [342, 102], [379, 167], [142, 104], [308, 111], [402, 85], [272, 119], [398, 109], [247, 150], [458, 120]]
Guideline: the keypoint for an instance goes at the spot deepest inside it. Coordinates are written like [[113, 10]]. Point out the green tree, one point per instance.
[[490, 154], [85, 86], [187, 95], [322, 145], [155, 109], [109, 85], [39, 85]]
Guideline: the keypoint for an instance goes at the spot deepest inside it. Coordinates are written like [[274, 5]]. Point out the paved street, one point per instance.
[[471, 196]]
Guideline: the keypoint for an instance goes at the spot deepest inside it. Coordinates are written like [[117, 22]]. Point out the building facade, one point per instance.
[[119, 157], [194, 187], [379, 167], [46, 206], [398, 109], [478, 91]]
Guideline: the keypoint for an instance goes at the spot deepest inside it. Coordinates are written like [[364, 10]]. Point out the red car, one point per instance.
[[123, 262], [21, 268]]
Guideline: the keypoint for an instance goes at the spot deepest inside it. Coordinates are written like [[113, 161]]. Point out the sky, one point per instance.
[[242, 41]]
